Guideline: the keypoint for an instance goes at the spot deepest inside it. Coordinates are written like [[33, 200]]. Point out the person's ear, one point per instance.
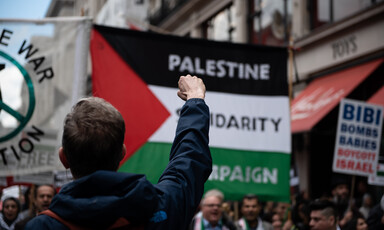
[[332, 219], [63, 158], [123, 152]]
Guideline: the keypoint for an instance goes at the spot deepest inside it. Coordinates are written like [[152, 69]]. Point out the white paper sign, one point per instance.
[[358, 138]]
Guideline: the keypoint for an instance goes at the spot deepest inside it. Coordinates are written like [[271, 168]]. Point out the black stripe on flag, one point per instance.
[[224, 67]]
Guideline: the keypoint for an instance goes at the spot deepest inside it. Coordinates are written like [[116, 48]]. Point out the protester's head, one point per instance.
[[361, 224], [211, 206], [268, 207], [341, 191], [340, 188], [282, 208], [276, 221], [43, 196], [367, 200], [356, 223], [11, 208], [250, 207], [323, 214], [93, 137]]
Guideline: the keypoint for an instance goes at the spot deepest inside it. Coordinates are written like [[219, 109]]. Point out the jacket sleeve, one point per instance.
[[181, 185]]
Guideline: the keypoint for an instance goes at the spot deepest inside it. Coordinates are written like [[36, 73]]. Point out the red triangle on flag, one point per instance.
[[115, 81]]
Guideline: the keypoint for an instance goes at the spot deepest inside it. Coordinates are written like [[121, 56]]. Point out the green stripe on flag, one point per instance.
[[238, 172], [235, 172], [151, 160]]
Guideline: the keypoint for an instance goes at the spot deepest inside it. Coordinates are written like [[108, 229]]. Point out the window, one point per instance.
[[220, 27], [271, 21], [329, 11]]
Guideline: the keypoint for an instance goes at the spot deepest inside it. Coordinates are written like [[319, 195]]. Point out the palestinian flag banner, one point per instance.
[[247, 93]]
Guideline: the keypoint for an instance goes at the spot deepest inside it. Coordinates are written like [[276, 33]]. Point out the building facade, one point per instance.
[[342, 40]]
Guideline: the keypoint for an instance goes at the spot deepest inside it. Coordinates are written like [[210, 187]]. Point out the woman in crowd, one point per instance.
[[9, 215], [276, 222], [356, 223]]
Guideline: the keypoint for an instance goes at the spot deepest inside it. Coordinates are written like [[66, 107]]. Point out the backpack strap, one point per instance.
[[68, 224], [120, 223]]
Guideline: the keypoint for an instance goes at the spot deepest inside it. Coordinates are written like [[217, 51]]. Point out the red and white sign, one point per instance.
[[358, 138]]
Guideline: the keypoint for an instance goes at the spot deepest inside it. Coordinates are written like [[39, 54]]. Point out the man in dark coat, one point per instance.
[[99, 198], [375, 219]]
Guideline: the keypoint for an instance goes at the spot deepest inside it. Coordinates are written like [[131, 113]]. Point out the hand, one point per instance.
[[287, 225], [347, 217], [191, 87]]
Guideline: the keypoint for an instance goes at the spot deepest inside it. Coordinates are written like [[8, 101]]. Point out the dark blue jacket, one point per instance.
[[97, 200]]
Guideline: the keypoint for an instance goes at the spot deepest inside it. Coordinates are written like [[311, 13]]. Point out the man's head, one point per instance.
[[341, 192], [323, 215], [250, 207], [340, 188], [281, 209], [211, 206], [43, 195], [93, 137]]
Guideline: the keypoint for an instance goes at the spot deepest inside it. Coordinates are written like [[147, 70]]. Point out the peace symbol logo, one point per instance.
[[21, 118]]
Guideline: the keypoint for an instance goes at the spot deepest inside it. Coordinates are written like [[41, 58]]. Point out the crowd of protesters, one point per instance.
[[100, 198], [17, 211], [334, 212]]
